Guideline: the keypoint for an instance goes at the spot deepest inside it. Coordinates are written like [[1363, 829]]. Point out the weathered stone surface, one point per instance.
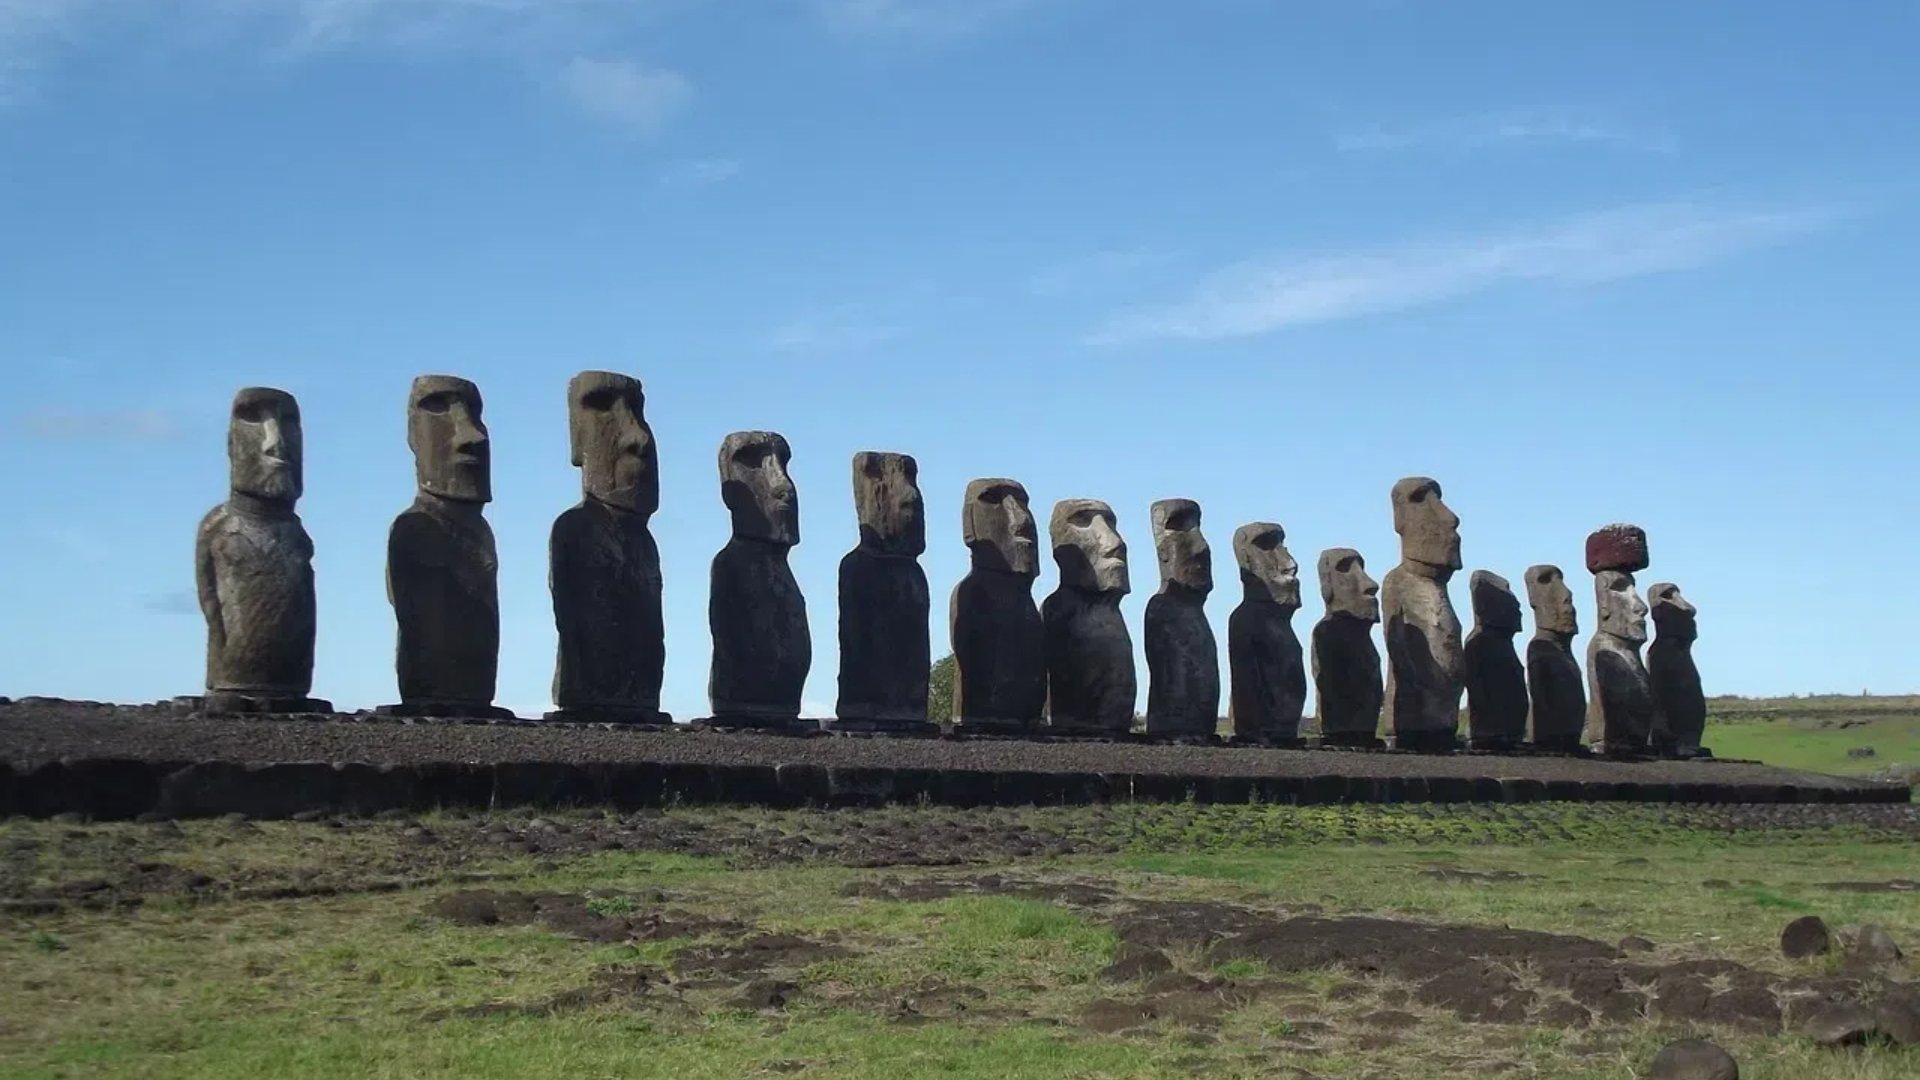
[[1346, 665], [762, 648], [1693, 1059], [999, 640], [1426, 662], [1805, 937], [1183, 659], [1263, 652], [1556, 692], [885, 654], [1872, 946], [1617, 547], [1496, 683], [604, 567], [1091, 686], [1897, 1014], [253, 566], [442, 569], [1622, 715], [1837, 1023], [1672, 672]]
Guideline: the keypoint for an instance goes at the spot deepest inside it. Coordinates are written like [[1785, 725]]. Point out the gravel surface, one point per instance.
[[33, 731]]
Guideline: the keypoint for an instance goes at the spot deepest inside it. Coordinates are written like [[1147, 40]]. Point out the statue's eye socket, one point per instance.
[[436, 404], [1267, 541], [600, 400]]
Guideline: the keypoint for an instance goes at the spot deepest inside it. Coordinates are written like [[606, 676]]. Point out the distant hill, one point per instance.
[[1830, 733]]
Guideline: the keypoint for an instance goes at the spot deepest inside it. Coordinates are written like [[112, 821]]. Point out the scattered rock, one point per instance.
[[762, 995], [1872, 945], [1837, 1023], [1897, 1015], [1861, 752], [1635, 944], [1137, 963], [1693, 1059], [1806, 937]]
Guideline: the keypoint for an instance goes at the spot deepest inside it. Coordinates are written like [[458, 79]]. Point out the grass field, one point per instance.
[[1818, 732], [1085, 942]]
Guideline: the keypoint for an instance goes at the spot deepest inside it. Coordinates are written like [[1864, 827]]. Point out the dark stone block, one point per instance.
[[689, 784], [795, 784], [1450, 789], [1322, 790], [543, 784], [966, 788], [1566, 791], [766, 785], [1522, 790], [451, 784]]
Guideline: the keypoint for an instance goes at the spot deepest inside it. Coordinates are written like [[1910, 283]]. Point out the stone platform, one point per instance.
[[119, 762]]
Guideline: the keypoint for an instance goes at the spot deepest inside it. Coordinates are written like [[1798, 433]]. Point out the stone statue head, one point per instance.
[[1186, 560], [1345, 586], [756, 488], [1622, 613], [886, 498], [1673, 614], [1429, 532], [265, 451], [611, 442], [1494, 605], [1267, 568], [997, 524], [1088, 548], [451, 453], [1552, 601]]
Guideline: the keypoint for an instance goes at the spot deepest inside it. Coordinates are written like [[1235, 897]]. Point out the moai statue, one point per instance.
[[1558, 696], [603, 565], [1183, 660], [1496, 683], [1346, 665], [1623, 717], [1671, 670], [1091, 685], [1426, 665], [253, 567], [1269, 672], [761, 646], [442, 570], [999, 643], [885, 655]]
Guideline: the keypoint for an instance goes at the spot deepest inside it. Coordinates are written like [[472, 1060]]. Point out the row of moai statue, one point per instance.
[[1064, 667]]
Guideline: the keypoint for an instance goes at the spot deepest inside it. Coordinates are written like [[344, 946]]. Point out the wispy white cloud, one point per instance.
[[699, 172], [633, 95], [1512, 128], [1265, 295], [839, 329], [62, 425], [1086, 273], [33, 33], [916, 18]]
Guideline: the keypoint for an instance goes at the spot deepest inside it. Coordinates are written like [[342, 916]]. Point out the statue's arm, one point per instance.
[[205, 578]]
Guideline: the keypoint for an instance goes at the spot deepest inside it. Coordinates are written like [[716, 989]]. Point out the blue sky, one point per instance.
[[1643, 261]]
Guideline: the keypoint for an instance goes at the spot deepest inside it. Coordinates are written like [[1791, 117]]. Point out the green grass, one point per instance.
[[367, 983], [1792, 740]]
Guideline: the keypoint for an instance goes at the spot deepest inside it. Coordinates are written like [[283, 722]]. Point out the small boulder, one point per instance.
[[1897, 1015], [1872, 945], [1635, 944], [1693, 1059], [1806, 937], [1838, 1023]]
